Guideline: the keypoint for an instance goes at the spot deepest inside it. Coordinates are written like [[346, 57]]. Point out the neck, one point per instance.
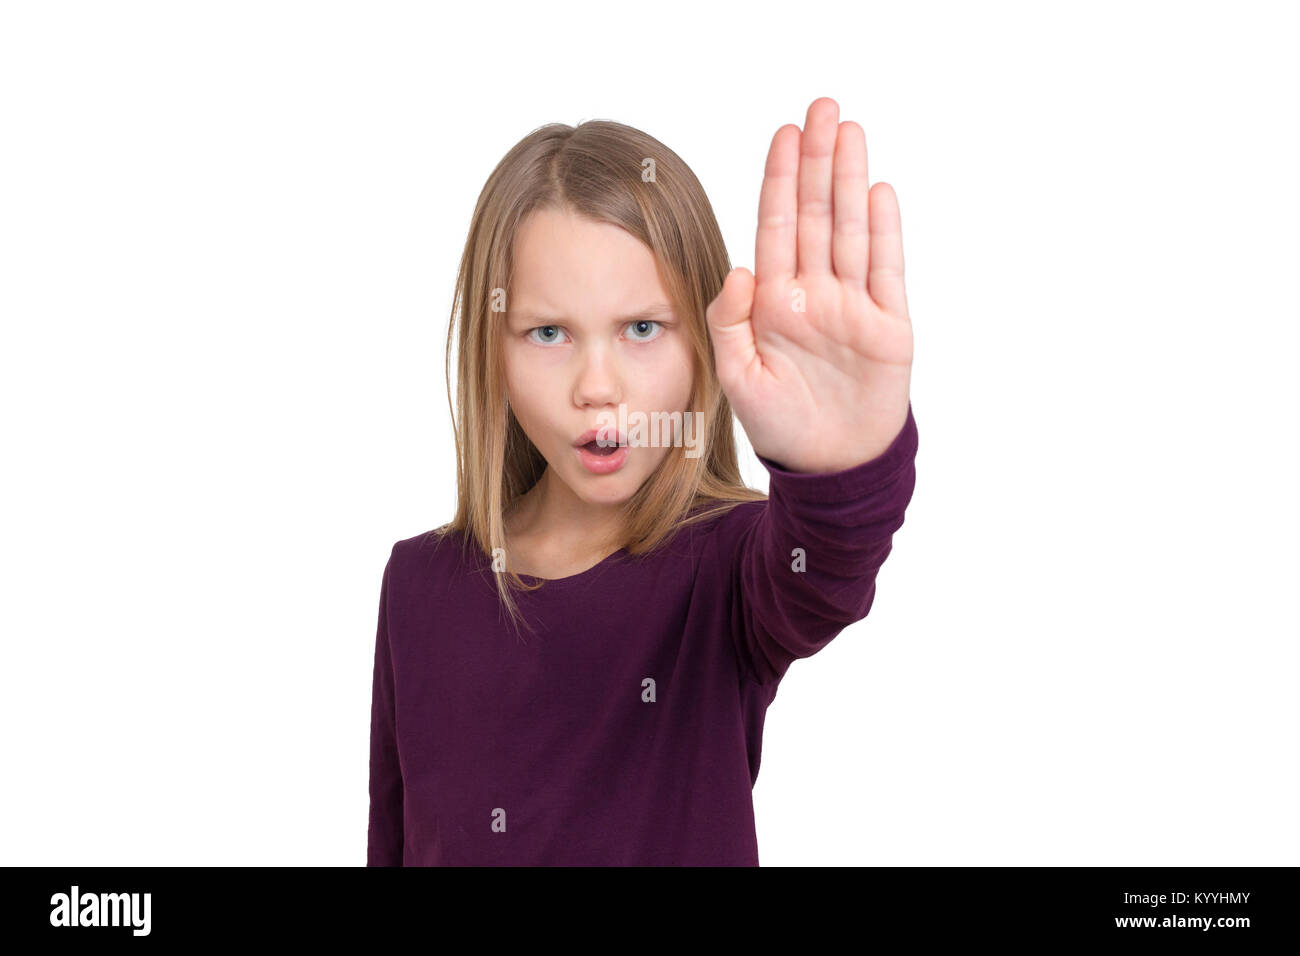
[[551, 512]]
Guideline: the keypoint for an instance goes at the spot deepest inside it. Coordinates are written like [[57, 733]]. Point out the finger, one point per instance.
[[728, 318], [885, 274], [849, 246], [774, 250], [816, 157]]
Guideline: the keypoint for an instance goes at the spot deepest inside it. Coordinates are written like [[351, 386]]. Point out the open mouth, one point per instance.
[[598, 458]]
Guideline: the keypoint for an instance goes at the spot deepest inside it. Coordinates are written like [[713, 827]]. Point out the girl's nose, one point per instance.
[[598, 381]]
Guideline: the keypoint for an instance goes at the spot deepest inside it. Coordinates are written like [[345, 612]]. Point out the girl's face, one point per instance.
[[589, 327]]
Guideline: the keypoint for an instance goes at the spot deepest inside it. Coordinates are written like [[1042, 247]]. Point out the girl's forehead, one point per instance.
[[566, 266], [548, 242]]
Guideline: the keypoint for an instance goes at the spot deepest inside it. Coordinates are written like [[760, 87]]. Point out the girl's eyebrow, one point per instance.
[[649, 312]]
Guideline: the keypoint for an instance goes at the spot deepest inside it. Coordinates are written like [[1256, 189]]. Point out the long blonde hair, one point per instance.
[[597, 169]]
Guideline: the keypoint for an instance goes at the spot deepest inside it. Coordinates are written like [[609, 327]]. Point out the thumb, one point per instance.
[[730, 327]]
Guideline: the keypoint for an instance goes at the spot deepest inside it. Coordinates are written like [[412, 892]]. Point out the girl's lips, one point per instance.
[[602, 464], [595, 434]]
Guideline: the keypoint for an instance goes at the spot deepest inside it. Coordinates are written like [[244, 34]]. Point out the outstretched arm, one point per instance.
[[805, 566], [814, 351]]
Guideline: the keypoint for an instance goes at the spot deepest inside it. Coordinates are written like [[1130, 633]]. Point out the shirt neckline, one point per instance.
[[554, 584]]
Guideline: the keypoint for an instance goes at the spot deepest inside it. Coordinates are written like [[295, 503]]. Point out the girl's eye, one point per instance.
[[646, 323], [546, 339], [644, 330]]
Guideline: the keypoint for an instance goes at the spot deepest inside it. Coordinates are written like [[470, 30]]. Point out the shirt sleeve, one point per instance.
[[384, 838], [806, 567]]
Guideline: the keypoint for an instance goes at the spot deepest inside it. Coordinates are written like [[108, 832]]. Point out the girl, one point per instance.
[[663, 600]]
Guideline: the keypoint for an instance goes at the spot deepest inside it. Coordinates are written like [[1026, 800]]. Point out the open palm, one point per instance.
[[814, 350]]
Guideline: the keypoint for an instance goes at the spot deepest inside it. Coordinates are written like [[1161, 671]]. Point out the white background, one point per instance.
[[228, 236]]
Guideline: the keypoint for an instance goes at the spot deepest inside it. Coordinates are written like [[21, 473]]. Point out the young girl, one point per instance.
[[603, 342]]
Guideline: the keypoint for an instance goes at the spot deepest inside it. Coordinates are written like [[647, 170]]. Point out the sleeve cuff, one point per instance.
[[857, 480]]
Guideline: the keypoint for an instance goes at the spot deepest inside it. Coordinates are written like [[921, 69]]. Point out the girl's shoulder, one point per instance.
[[715, 524], [439, 552], [723, 516]]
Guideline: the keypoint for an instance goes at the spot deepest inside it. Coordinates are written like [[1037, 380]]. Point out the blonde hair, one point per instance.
[[595, 170]]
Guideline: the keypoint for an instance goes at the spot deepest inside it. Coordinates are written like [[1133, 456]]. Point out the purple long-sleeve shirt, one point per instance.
[[627, 729]]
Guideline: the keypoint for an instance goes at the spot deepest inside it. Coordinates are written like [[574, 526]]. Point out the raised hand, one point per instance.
[[814, 349]]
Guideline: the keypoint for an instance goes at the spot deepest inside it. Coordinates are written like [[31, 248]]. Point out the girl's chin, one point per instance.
[[600, 490]]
